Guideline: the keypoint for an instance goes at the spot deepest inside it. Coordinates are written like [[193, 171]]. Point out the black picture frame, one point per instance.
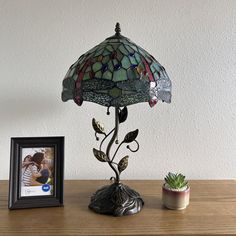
[[15, 200]]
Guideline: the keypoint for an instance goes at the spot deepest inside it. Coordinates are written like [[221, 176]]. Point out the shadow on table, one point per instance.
[[153, 202]]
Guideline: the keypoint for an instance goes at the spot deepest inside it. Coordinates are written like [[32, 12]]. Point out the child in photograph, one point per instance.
[[31, 170], [26, 160]]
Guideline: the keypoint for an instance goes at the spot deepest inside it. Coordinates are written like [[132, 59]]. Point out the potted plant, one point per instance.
[[175, 192]]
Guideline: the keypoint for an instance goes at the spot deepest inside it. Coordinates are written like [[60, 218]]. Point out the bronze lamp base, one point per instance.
[[116, 199]]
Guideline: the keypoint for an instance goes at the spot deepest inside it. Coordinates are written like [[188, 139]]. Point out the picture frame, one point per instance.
[[36, 172]]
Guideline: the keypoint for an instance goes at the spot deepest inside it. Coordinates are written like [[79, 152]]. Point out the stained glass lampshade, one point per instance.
[[116, 73]]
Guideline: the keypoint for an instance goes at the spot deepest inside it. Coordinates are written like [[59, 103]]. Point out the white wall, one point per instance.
[[195, 41]]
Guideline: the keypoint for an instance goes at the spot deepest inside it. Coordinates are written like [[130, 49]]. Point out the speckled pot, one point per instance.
[[175, 200]]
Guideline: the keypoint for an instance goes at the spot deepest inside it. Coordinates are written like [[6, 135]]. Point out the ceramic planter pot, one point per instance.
[[175, 200]]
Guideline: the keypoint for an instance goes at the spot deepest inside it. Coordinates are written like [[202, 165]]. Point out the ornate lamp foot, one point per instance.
[[116, 199]]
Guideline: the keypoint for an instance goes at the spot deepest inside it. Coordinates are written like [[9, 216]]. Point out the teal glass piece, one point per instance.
[[119, 55], [106, 52], [97, 66], [86, 76], [99, 52], [137, 57], [131, 74], [105, 59], [115, 46], [98, 75], [153, 69], [125, 62], [110, 66], [109, 48], [107, 75], [74, 77], [133, 60], [119, 75], [115, 62], [117, 72], [130, 50], [123, 50]]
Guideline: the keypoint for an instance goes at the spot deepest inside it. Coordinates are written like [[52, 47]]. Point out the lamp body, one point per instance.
[[116, 73]]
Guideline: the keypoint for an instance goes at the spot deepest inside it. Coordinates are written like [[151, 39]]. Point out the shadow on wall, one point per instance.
[[24, 108]]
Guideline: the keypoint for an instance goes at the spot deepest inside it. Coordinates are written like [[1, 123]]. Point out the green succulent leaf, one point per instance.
[[176, 181], [100, 155], [122, 165], [131, 136]]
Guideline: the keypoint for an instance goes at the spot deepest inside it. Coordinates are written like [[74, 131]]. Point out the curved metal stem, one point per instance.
[[110, 145], [135, 150], [116, 151], [100, 147]]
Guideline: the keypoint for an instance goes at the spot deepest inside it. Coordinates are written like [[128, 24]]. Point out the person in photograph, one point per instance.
[[26, 160], [31, 170], [45, 172]]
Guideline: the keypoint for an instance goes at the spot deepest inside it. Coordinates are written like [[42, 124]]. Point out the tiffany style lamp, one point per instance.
[[116, 73]]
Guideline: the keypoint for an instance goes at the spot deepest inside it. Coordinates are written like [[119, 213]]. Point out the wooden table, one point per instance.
[[212, 210]]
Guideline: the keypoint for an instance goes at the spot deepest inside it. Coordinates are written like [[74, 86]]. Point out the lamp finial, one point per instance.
[[117, 29]]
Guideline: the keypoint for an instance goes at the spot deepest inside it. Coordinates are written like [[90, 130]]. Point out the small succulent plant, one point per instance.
[[176, 181]]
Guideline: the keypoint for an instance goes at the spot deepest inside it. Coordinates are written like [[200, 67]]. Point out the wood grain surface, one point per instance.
[[212, 210]]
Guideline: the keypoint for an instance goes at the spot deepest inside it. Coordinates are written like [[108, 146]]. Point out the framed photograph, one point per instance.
[[36, 172]]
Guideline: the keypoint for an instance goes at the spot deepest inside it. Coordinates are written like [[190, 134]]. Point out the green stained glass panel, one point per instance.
[[132, 60], [115, 45], [106, 52], [71, 72], [119, 75], [134, 47], [130, 50], [107, 75], [156, 66], [137, 57], [105, 59], [110, 66], [99, 52], [131, 74], [98, 74], [156, 75], [75, 77], [115, 62], [86, 76], [97, 66], [142, 52], [109, 48], [125, 62], [123, 50], [152, 67], [119, 55]]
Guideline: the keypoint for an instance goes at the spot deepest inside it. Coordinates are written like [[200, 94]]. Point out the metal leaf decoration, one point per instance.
[[131, 136], [98, 127], [100, 155], [123, 115], [123, 164]]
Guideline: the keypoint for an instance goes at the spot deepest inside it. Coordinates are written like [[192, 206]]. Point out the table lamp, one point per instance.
[[116, 73]]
